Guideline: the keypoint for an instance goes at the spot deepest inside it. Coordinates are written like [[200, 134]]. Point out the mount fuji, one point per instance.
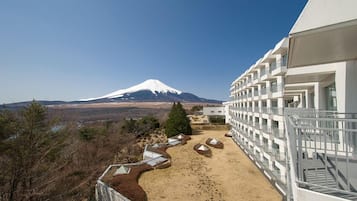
[[149, 90]]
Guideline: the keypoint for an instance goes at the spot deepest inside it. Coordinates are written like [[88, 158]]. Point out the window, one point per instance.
[[331, 97], [274, 86], [273, 65], [284, 60]]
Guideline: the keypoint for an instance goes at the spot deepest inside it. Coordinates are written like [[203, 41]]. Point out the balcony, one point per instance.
[[265, 163], [264, 127], [273, 66], [280, 69], [251, 137], [267, 148], [276, 173], [249, 95], [264, 110], [263, 91], [275, 88], [279, 156], [318, 163], [276, 111], [256, 79], [265, 76], [256, 125], [256, 93], [262, 72], [278, 133]]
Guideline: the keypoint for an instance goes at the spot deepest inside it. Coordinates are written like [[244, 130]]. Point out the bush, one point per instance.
[[143, 126], [86, 133]]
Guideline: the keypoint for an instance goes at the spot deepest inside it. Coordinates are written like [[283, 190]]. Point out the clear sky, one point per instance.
[[73, 49]]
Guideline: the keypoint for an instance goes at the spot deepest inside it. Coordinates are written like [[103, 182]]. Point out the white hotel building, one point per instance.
[[294, 112]]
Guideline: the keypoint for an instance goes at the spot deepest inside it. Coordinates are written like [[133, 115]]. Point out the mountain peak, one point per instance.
[[153, 85], [156, 86]]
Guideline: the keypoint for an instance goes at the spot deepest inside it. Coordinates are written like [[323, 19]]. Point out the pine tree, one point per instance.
[[178, 121]]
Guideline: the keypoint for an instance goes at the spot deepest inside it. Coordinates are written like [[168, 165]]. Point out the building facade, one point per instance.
[[256, 110], [293, 112]]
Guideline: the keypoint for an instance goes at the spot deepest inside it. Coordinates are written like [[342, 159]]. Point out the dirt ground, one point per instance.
[[227, 175]]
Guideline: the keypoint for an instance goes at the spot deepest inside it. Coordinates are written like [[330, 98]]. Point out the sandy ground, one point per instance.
[[227, 175]]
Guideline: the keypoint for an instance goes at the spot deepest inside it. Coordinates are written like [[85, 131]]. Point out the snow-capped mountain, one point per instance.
[[155, 86], [149, 90]]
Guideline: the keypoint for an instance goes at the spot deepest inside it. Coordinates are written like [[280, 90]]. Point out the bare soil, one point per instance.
[[227, 175]]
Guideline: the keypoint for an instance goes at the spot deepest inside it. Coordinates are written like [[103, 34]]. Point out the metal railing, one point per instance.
[[323, 151]]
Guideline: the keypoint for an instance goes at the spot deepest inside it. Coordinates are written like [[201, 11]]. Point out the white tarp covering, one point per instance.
[[150, 154], [122, 170], [214, 141], [156, 161], [171, 140], [203, 148]]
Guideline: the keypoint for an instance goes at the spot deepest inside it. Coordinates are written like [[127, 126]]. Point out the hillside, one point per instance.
[[59, 157]]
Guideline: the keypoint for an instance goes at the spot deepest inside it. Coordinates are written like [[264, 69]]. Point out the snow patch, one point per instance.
[[155, 86]]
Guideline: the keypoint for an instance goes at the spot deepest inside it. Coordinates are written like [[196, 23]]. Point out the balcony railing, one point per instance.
[[322, 152]]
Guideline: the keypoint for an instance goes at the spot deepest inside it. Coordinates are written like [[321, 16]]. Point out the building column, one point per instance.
[[268, 90], [317, 95], [300, 100], [307, 98], [351, 97], [280, 82]]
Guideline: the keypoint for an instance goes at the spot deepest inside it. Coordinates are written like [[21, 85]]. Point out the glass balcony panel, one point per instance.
[[272, 66], [263, 91]]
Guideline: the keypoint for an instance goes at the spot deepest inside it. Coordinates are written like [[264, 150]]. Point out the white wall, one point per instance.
[[307, 195], [214, 111], [351, 86], [321, 13]]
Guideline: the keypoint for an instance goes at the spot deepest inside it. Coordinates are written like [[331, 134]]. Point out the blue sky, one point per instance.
[[73, 49]]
